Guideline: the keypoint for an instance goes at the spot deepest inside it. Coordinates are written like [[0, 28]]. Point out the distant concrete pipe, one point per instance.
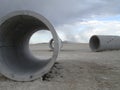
[[51, 44], [16, 61], [104, 42]]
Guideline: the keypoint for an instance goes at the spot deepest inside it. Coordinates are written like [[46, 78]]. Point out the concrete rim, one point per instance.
[[30, 76], [94, 43], [51, 44]]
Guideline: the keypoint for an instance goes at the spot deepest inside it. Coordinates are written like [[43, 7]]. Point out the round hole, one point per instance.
[[94, 43], [16, 29], [39, 44]]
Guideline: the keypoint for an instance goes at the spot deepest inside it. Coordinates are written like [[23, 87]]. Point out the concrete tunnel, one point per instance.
[[104, 42], [51, 44], [16, 61]]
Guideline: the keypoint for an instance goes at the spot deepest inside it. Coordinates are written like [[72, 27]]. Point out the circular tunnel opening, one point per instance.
[[39, 44], [16, 60], [94, 43], [51, 44]]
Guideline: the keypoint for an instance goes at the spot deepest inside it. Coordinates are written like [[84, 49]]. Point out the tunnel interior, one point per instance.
[[15, 56], [94, 43]]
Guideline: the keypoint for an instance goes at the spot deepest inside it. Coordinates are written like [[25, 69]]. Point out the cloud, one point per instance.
[[88, 28], [42, 36], [61, 12], [72, 19]]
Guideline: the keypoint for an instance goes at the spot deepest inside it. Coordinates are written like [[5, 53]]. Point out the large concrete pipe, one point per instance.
[[51, 44], [16, 61], [104, 42]]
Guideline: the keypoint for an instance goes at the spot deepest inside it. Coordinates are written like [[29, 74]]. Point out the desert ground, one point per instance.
[[76, 68]]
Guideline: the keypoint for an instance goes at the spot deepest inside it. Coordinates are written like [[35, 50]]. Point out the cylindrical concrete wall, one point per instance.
[[16, 61], [51, 44], [104, 42]]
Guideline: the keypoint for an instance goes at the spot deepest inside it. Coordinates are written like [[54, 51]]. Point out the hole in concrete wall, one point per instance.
[[16, 60], [94, 42], [16, 32], [39, 44]]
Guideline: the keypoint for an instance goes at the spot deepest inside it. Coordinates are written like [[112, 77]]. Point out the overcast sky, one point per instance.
[[74, 20]]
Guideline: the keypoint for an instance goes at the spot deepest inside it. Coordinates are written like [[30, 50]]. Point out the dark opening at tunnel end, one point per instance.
[[94, 43]]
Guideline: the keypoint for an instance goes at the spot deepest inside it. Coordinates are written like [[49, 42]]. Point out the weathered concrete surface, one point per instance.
[[104, 42], [77, 68], [16, 29]]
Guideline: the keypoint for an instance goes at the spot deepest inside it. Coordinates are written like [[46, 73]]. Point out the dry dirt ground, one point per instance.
[[77, 68]]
